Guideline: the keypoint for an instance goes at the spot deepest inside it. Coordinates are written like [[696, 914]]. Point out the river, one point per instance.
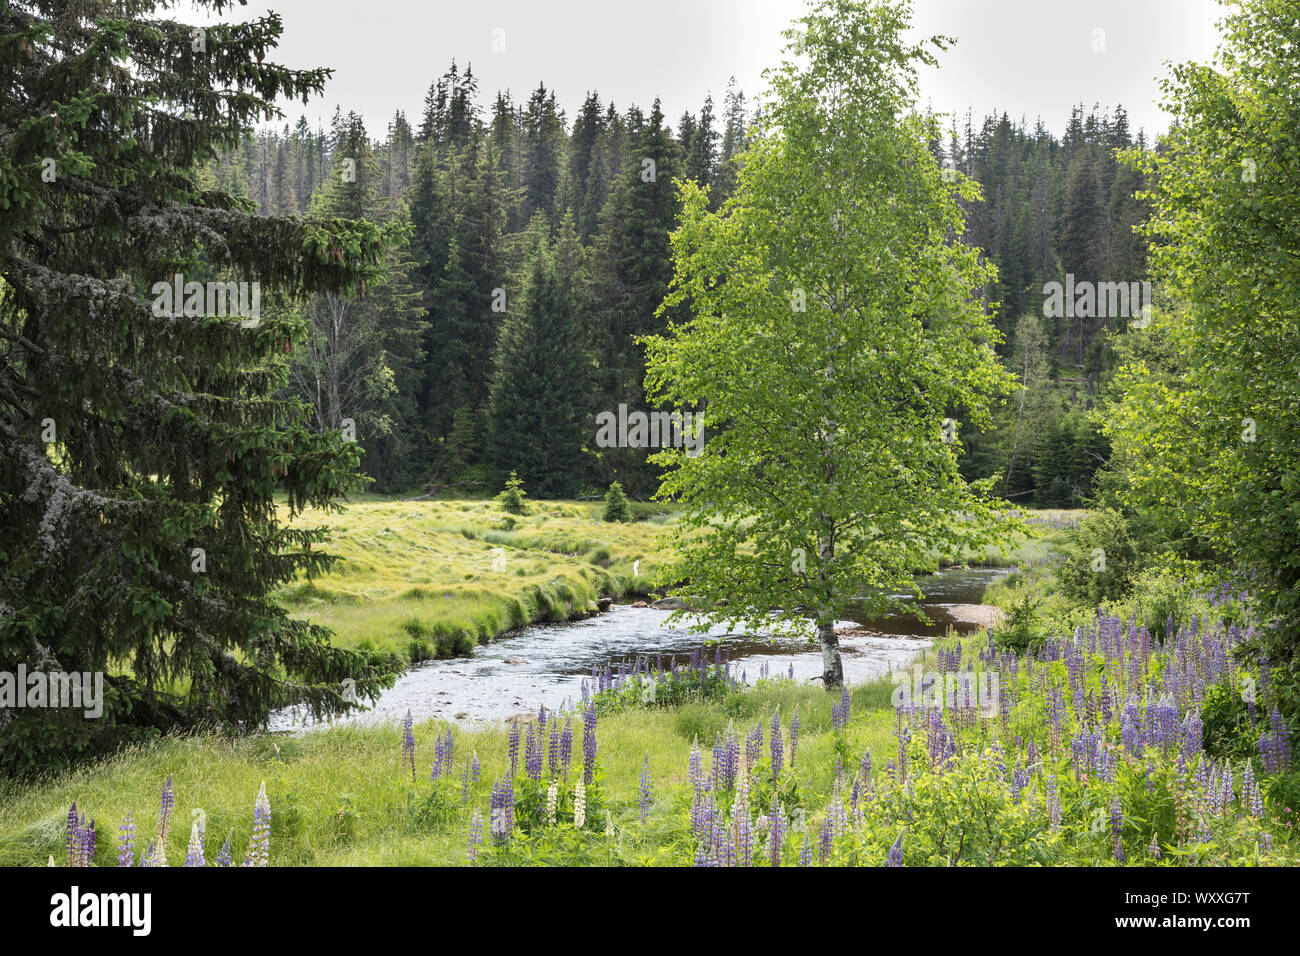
[[545, 664]]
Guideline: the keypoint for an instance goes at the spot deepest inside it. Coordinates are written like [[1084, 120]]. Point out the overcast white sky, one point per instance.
[[1028, 57]]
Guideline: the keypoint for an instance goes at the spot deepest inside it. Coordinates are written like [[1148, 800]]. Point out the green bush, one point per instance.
[[1100, 559]]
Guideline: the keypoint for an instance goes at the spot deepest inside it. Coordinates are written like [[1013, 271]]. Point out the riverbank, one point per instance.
[[432, 579], [423, 580]]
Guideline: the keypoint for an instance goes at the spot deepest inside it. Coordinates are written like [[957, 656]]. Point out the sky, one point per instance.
[[1030, 58]]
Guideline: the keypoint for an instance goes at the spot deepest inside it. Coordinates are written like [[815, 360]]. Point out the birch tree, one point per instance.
[[837, 325]]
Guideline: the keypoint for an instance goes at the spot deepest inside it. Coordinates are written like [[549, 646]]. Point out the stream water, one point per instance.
[[545, 664]]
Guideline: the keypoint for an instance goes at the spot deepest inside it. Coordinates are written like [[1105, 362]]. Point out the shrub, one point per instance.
[[616, 506], [1100, 559]]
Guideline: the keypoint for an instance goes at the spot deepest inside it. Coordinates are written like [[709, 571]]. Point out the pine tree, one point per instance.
[[538, 388], [141, 452]]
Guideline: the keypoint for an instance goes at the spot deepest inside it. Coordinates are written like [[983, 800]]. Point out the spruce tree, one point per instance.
[[538, 391], [142, 452]]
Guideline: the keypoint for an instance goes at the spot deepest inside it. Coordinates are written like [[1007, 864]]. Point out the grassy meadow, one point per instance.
[[424, 579]]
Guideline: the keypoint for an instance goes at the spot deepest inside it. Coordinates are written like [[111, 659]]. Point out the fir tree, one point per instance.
[[538, 390], [141, 449]]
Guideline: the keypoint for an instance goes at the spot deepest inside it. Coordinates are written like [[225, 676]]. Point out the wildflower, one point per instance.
[[552, 796], [1116, 830], [259, 848], [579, 805], [896, 851], [777, 752], [566, 746], [166, 805], [1154, 847], [72, 835], [502, 814], [589, 744], [776, 835], [840, 711], [408, 743], [643, 793], [86, 844], [223, 856], [794, 728], [126, 842], [1053, 803], [514, 749], [194, 852], [609, 826], [475, 835], [553, 748]]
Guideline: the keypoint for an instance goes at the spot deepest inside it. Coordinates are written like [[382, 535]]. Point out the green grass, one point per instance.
[[434, 578], [312, 778]]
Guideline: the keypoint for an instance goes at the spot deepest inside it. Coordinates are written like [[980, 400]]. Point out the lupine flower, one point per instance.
[[72, 835], [259, 847], [1153, 847], [794, 728], [777, 751], [150, 857], [579, 805], [1053, 803], [194, 852], [552, 797], [1116, 829], [126, 841], [1250, 794], [514, 749], [566, 746], [643, 792], [85, 851], [502, 811], [896, 852], [553, 748], [609, 826], [475, 835], [754, 745], [840, 711], [776, 835], [408, 744], [1275, 745], [589, 744], [744, 838]]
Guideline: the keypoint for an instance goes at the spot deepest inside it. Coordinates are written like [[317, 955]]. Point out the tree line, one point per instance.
[[536, 255]]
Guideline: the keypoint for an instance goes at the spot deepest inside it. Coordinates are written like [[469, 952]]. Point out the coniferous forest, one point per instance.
[[499, 198]]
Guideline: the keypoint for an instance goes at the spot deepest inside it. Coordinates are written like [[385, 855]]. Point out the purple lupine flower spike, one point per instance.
[[126, 841], [896, 852], [408, 744], [71, 835], [643, 792]]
